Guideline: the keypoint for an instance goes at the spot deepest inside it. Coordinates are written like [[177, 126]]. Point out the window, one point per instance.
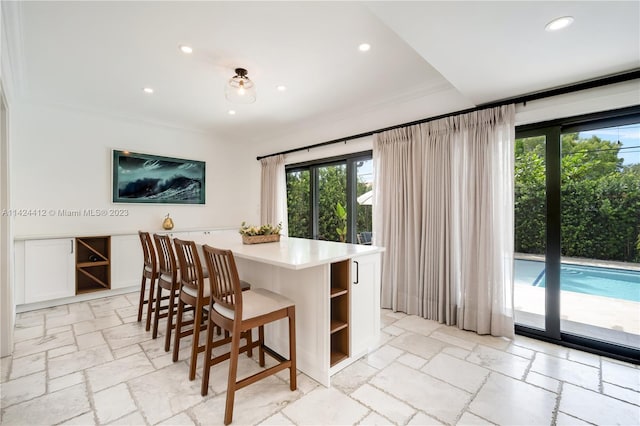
[[299, 203], [577, 231], [331, 199]]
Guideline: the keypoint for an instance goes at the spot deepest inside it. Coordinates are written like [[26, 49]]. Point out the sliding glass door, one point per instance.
[[600, 274], [331, 199], [299, 204], [577, 231], [530, 230], [364, 201], [332, 202]]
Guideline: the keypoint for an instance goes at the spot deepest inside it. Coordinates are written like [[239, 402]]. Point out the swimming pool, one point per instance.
[[607, 282]]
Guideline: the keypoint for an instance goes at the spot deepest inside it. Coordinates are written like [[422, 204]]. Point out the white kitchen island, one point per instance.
[[336, 289]]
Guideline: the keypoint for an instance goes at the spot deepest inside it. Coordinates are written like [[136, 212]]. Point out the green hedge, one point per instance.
[[600, 200]]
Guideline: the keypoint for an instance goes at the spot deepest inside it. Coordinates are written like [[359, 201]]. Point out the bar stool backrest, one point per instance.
[[168, 264], [148, 253], [225, 282], [191, 275]]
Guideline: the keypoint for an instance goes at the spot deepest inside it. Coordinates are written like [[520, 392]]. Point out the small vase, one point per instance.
[[167, 223]]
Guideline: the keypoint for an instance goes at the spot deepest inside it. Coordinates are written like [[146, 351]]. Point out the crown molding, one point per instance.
[[110, 114]]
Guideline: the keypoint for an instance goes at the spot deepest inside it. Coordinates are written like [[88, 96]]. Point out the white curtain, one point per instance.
[[444, 212], [397, 204], [273, 193]]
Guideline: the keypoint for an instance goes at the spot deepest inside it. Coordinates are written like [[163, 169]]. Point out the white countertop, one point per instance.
[[291, 253]]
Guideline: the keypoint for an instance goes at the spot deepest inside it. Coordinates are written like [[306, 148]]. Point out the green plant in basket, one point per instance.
[[252, 230]]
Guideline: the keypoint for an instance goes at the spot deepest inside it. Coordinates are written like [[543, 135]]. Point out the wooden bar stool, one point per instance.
[[194, 291], [149, 272], [238, 312], [168, 276]]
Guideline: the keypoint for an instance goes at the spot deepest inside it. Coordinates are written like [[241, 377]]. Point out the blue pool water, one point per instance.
[[607, 282]]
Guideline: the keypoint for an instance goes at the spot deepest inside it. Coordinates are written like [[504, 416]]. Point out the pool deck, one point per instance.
[[599, 317]]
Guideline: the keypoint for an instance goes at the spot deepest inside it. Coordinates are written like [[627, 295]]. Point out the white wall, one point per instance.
[[61, 159]]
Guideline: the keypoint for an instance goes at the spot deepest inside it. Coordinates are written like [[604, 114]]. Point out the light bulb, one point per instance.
[[240, 89], [559, 23]]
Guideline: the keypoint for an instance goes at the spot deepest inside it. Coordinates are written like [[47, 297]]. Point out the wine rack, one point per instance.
[[93, 264]]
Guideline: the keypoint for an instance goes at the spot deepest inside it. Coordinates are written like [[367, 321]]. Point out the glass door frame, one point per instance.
[[351, 161], [552, 131]]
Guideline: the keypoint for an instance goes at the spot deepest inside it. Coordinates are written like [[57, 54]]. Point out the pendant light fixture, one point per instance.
[[240, 89]]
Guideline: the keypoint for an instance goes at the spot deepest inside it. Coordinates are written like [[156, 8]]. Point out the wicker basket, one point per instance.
[[259, 239]]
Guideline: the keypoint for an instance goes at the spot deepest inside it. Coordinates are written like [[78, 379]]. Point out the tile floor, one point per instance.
[[92, 363]]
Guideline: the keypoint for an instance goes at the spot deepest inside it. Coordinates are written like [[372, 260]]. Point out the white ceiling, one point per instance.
[[426, 58]]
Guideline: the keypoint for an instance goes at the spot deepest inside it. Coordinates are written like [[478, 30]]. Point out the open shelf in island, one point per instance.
[[339, 320], [93, 264]]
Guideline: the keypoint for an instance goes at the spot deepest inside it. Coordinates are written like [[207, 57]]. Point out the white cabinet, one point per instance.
[[45, 269], [18, 273], [49, 269], [197, 235], [126, 261], [365, 303]]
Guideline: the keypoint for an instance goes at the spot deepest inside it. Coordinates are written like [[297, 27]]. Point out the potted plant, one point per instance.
[[252, 234]]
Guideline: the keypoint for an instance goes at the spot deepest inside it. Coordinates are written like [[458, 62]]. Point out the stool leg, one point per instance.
[[197, 320], [249, 339], [261, 345], [293, 383], [176, 341], [152, 282], [172, 307], [143, 286], [233, 370], [156, 314], [204, 390]]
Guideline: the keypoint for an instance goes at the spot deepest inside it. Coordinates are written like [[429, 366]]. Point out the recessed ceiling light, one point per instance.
[[186, 49], [148, 90], [232, 112], [559, 23], [364, 47], [281, 88]]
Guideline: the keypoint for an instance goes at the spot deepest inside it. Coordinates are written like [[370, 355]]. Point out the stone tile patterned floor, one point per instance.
[[92, 363]]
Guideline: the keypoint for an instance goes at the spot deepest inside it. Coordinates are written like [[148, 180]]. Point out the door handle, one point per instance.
[[71, 246], [357, 281]]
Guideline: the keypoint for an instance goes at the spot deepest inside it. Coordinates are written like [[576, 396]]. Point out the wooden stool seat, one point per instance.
[[206, 291], [256, 303]]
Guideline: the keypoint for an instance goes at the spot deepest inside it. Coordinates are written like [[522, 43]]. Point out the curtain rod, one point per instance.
[[589, 84]]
